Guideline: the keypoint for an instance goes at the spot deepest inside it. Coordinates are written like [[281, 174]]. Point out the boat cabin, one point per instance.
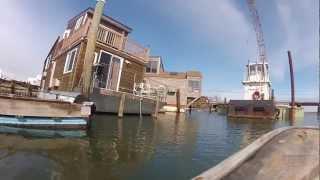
[[257, 84]]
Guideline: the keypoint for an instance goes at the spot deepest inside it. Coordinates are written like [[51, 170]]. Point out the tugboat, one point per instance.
[[258, 97]]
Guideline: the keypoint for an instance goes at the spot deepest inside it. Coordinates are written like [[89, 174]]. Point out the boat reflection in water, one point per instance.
[[170, 147]]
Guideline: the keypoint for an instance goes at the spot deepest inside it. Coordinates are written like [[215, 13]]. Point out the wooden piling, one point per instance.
[[156, 111], [91, 45], [121, 105], [293, 103], [178, 100]]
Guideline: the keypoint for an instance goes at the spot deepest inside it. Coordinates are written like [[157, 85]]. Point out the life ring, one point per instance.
[[256, 95]]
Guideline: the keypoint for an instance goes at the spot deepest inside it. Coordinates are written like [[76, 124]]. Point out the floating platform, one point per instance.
[[285, 153], [28, 112], [257, 109]]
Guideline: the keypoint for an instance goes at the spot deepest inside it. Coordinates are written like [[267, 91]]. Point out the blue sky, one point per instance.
[[213, 36]]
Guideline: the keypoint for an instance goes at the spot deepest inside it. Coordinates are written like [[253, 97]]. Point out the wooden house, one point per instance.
[[187, 83], [119, 62]]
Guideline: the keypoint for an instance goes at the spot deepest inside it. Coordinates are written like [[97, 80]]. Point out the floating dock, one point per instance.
[[285, 153], [44, 114]]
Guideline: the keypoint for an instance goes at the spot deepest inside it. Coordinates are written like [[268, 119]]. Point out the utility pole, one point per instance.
[[91, 45]]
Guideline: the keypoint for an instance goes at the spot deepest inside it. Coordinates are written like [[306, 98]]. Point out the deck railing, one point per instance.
[[110, 37], [136, 49]]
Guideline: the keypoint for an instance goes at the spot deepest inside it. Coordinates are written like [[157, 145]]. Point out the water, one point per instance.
[[172, 147]]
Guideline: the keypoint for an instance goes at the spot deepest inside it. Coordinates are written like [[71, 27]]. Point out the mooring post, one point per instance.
[[91, 45], [293, 103], [13, 87], [156, 111], [121, 105], [178, 100]]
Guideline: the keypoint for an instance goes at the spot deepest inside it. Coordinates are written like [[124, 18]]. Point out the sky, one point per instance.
[[215, 37]]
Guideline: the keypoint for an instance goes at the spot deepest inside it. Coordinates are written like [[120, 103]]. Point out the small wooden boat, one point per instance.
[[29, 112], [285, 153]]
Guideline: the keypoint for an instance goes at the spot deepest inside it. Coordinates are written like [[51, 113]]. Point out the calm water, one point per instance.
[[172, 147]]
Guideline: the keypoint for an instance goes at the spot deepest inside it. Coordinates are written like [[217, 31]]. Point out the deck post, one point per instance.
[[121, 105], [91, 45], [178, 100]]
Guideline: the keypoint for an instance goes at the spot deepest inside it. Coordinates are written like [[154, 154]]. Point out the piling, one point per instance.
[[156, 111], [91, 45], [293, 103], [178, 100], [121, 105], [13, 87]]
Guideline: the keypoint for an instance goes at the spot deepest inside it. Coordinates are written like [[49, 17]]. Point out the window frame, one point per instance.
[[78, 23], [67, 61], [120, 70], [192, 88]]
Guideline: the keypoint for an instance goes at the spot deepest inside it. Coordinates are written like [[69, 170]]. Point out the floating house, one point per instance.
[[118, 63], [180, 87], [118, 66]]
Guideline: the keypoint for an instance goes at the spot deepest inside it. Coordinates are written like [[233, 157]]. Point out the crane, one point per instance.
[[258, 29]]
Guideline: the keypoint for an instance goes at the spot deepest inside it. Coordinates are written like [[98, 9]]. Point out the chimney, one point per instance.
[[91, 45]]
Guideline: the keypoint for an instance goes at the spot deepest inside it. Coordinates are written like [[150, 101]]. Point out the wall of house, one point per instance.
[[172, 85]]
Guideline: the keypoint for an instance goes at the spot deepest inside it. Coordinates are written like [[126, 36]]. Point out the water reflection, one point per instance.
[[170, 147]]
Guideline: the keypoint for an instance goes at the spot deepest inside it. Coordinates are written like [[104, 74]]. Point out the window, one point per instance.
[[108, 73], [194, 85], [78, 23], [252, 69], [71, 56], [152, 67]]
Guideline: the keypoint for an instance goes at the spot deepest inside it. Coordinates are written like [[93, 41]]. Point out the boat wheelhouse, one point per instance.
[[257, 84]]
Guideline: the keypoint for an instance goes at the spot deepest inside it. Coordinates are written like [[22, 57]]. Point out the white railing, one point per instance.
[[136, 49], [145, 90], [110, 37]]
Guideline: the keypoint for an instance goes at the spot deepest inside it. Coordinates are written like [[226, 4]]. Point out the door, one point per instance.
[[108, 71], [114, 74]]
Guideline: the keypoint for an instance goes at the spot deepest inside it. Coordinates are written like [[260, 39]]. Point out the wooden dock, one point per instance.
[[285, 153], [37, 113]]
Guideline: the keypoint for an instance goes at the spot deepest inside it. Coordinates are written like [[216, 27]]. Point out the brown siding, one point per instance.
[[131, 72], [66, 80]]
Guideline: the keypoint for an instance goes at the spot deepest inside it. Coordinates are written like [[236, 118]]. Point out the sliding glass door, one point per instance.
[[108, 71]]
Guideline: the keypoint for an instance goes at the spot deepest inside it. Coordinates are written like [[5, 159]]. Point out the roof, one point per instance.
[[194, 74], [176, 75], [106, 18]]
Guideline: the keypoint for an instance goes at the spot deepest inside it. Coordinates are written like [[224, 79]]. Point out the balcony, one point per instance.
[[110, 37], [119, 41]]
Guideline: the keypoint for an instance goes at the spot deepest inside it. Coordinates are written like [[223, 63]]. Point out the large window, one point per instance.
[[194, 85], [108, 71], [152, 67], [71, 56]]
